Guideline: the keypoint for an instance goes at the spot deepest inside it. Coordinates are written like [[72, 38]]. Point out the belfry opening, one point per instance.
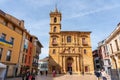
[[69, 64]]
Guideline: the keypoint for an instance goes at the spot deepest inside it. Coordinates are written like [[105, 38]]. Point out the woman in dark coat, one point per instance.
[[27, 75]]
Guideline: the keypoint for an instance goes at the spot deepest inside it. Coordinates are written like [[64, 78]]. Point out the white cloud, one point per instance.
[[40, 24], [38, 3], [94, 11], [44, 53], [40, 27]]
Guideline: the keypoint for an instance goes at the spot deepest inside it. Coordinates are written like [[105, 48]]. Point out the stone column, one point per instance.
[[78, 64], [64, 40], [64, 64], [81, 64], [60, 61], [75, 39], [74, 64]]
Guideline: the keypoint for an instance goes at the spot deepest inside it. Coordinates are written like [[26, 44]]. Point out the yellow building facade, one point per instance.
[[10, 41], [68, 50], [19, 50]]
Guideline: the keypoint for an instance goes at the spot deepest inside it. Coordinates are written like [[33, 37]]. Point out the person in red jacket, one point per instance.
[[54, 73]]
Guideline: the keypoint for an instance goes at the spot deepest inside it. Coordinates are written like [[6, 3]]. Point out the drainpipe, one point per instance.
[[21, 47]]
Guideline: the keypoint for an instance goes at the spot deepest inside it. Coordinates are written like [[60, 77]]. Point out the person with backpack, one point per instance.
[[103, 74], [98, 74], [27, 74], [23, 74]]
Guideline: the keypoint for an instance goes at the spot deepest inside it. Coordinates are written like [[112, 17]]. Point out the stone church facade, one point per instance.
[[68, 50]]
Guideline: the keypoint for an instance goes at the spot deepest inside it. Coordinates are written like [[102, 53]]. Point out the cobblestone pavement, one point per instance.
[[67, 77], [14, 78], [62, 77]]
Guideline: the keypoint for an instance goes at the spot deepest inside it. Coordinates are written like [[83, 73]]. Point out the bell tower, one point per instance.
[[54, 43], [69, 51], [55, 21]]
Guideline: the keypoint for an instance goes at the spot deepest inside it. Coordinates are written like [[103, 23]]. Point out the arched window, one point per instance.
[[68, 38], [85, 51], [83, 40], [62, 39], [54, 40], [55, 20], [54, 51], [86, 68], [54, 30]]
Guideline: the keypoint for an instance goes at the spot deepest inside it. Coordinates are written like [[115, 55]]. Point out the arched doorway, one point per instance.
[[114, 71], [69, 64]]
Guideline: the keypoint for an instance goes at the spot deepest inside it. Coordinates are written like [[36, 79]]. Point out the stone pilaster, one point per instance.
[[64, 64], [78, 64], [74, 64]]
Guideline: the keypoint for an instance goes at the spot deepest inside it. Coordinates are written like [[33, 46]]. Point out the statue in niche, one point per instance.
[[69, 49], [73, 50]]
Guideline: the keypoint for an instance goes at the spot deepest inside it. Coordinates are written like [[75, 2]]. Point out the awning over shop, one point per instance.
[[2, 65], [2, 71]]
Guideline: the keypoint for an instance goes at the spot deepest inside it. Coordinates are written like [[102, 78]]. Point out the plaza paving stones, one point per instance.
[[67, 77], [62, 77]]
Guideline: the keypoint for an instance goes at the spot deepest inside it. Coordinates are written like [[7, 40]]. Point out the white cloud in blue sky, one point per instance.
[[98, 16]]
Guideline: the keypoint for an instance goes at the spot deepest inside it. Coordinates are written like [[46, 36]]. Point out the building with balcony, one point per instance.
[[19, 49], [97, 60], [113, 45], [43, 65], [109, 50], [11, 32], [69, 50], [29, 55], [104, 57], [36, 52]]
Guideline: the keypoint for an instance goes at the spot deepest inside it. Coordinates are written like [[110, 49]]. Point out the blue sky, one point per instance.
[[98, 16]]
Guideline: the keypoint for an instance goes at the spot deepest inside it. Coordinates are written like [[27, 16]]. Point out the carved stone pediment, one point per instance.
[[83, 35], [68, 50]]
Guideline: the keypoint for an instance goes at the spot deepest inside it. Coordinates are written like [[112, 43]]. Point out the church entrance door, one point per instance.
[[69, 64]]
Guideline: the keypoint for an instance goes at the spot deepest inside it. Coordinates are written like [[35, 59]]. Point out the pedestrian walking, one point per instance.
[[54, 73], [46, 72], [27, 74], [70, 70], [23, 75], [103, 74], [33, 75], [41, 73], [30, 77], [98, 74]]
